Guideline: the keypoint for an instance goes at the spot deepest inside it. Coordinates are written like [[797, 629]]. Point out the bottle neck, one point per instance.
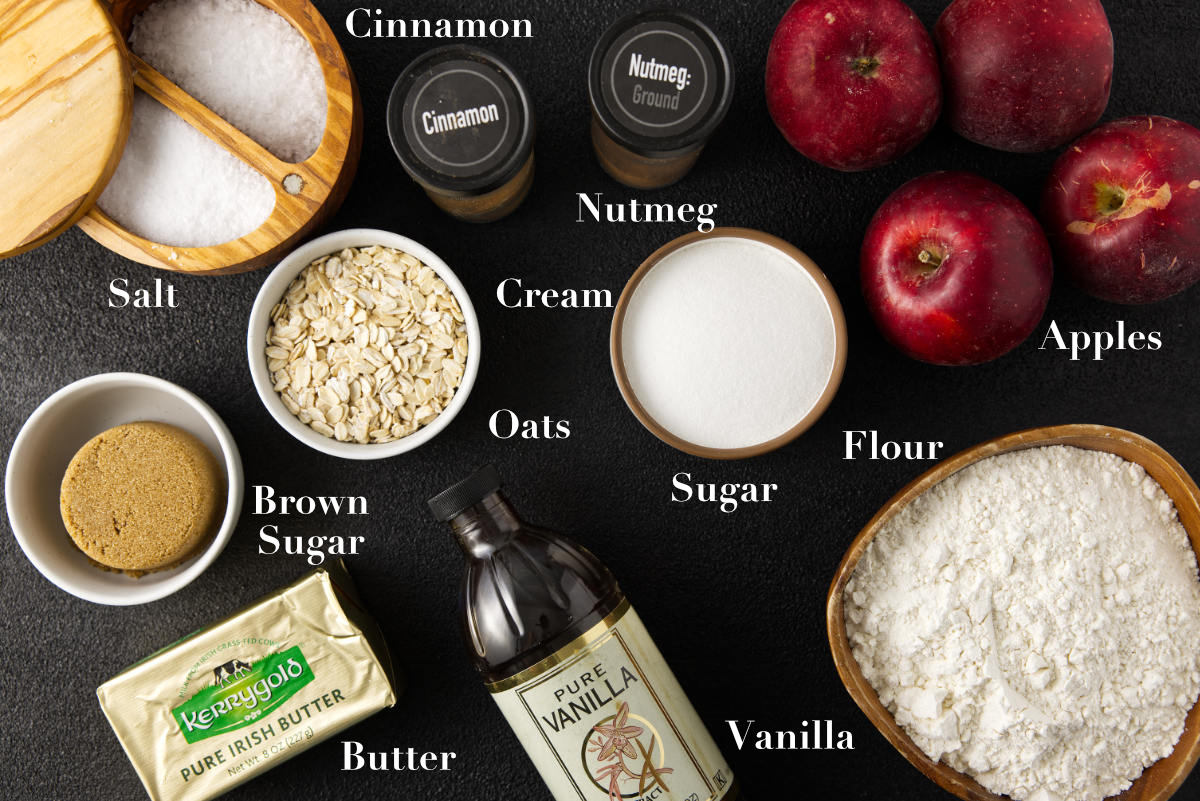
[[486, 526]]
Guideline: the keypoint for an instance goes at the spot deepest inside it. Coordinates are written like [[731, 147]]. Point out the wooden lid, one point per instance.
[[66, 100]]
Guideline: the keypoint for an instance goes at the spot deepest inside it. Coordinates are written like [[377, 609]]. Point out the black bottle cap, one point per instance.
[[465, 494], [660, 82], [460, 121]]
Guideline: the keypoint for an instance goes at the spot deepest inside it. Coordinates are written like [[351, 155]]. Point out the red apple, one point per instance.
[[1025, 75], [955, 269], [853, 84], [1122, 207]]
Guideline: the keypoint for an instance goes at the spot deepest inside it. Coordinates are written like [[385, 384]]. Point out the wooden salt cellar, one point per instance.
[[66, 84], [66, 100]]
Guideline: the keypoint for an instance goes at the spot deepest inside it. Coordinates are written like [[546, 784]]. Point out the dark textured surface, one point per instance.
[[736, 601]]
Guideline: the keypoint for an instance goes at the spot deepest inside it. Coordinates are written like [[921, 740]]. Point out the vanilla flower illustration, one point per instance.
[[619, 735], [615, 742]]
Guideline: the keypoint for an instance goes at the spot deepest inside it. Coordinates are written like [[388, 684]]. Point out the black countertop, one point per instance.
[[736, 601]]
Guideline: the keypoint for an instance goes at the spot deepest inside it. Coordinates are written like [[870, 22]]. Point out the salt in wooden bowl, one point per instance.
[[306, 193]]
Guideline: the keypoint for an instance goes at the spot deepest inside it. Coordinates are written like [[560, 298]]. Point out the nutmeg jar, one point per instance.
[[660, 83]]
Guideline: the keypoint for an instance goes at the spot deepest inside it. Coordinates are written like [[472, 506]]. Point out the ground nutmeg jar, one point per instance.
[[660, 83]]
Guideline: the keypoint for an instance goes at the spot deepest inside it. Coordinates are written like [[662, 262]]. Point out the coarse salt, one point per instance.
[[1034, 621], [728, 342], [243, 61], [175, 186]]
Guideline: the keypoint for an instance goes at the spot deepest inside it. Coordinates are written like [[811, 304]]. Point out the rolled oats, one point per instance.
[[367, 345]]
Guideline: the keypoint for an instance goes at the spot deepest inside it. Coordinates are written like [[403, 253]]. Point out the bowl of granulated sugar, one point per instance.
[[728, 344]]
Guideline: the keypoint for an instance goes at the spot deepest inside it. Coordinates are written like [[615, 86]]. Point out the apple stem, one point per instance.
[[866, 66], [930, 259]]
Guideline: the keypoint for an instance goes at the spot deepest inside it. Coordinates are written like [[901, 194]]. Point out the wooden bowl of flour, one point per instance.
[[1161, 779], [306, 193]]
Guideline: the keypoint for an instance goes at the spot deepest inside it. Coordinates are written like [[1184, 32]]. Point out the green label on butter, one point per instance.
[[242, 693]]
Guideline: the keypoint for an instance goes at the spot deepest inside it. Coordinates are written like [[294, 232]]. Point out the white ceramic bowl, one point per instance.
[[272, 292], [56, 430]]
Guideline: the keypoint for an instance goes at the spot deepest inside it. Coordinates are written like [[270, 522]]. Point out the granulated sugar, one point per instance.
[[243, 61], [177, 187], [1034, 621], [728, 342]]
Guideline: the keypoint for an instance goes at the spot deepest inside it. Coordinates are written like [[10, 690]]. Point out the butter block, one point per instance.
[[251, 691]]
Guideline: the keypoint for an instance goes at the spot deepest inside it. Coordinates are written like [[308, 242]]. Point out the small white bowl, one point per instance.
[[272, 292], [56, 430]]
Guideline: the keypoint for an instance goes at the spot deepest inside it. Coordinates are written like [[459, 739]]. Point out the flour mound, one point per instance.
[[1034, 621]]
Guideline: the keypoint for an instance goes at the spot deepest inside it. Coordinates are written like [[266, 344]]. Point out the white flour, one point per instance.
[[1034, 621]]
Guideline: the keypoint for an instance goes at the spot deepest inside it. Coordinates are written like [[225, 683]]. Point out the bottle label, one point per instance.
[[460, 119], [604, 718], [658, 79]]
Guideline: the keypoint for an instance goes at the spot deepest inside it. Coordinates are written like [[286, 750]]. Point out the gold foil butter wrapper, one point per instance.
[[247, 693]]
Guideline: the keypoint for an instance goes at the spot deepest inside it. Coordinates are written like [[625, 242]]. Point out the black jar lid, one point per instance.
[[660, 82], [460, 121]]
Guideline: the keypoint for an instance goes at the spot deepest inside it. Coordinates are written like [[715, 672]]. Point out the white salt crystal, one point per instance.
[[728, 342], [243, 61], [177, 187]]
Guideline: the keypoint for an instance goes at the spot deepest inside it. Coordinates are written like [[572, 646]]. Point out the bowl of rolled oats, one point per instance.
[[363, 344]]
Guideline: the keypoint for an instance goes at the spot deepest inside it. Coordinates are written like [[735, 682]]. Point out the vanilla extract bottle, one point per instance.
[[570, 664]]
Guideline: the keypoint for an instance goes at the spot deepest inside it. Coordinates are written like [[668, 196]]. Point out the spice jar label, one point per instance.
[[605, 718], [460, 119], [658, 78]]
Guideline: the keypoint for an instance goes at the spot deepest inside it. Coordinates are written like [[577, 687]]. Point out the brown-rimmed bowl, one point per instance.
[[806, 421], [1161, 779]]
